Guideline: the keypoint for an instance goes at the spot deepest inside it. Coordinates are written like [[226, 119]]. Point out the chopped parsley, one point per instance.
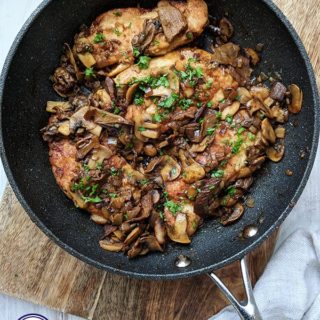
[[189, 35], [251, 136], [168, 102], [162, 81], [231, 191], [229, 118], [143, 62], [138, 98], [210, 131], [218, 115], [185, 103], [113, 195], [190, 75], [173, 207], [99, 165], [99, 38], [155, 43], [241, 130], [157, 117], [141, 129], [209, 84], [209, 104], [222, 100], [217, 174], [136, 52], [89, 72], [237, 145], [114, 171], [143, 182], [117, 32], [86, 168], [116, 110], [117, 13], [92, 199]]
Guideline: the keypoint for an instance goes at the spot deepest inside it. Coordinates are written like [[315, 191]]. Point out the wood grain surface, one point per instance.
[[35, 269], [32, 267]]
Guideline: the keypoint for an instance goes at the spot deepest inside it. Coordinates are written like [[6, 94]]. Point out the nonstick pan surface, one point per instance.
[[25, 88]]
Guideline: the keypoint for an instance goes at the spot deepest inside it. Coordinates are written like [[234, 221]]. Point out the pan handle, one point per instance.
[[248, 310]]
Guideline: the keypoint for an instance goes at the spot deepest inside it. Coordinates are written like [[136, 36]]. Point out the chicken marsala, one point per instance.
[[153, 149]]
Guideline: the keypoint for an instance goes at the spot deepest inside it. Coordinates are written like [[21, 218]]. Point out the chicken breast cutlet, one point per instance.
[[119, 35]]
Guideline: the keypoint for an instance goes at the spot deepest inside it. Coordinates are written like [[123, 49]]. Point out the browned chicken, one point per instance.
[[114, 35], [155, 148]]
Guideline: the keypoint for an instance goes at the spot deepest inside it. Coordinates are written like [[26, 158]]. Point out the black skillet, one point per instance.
[[25, 88]]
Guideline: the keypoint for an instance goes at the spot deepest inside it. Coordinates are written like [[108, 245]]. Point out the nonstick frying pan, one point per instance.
[[25, 88]]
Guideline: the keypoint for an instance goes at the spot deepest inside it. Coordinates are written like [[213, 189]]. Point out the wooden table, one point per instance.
[[306, 18]]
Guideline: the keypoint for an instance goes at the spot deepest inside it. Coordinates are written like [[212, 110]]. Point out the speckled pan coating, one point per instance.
[[25, 88]]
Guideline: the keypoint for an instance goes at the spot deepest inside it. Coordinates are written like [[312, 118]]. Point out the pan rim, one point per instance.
[[168, 276]]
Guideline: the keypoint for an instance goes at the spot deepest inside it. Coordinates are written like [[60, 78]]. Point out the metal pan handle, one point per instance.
[[249, 309]]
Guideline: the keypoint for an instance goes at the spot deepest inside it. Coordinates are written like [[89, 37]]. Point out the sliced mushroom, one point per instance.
[[64, 128], [78, 120], [297, 98], [275, 154], [253, 55], [192, 171], [142, 40], [280, 132], [133, 235], [104, 118], [261, 93], [87, 59], [73, 62], [172, 20], [226, 54], [171, 168], [230, 110], [99, 155], [160, 231], [119, 68], [109, 246], [243, 95], [58, 106], [198, 148], [236, 214], [130, 92], [98, 219], [151, 243], [102, 97], [226, 27], [279, 114], [85, 145], [267, 131], [178, 232], [193, 223]]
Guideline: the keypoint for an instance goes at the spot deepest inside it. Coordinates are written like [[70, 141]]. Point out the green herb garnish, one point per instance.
[[117, 32], [117, 13], [185, 103], [99, 38], [89, 72], [143, 62], [168, 102], [136, 52], [251, 136], [92, 199], [173, 207], [141, 129], [217, 174], [189, 35], [229, 119]]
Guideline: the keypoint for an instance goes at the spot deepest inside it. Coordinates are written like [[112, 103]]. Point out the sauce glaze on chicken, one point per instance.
[[151, 147]]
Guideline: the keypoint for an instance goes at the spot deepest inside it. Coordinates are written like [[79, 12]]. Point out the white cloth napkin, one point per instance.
[[290, 286]]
